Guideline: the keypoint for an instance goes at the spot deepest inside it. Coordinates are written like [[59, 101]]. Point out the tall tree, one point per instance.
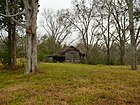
[[83, 17], [56, 27], [108, 37], [31, 10], [132, 35], [106, 26], [121, 24], [7, 24]]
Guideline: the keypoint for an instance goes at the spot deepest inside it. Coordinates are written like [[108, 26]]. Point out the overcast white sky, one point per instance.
[[54, 4]]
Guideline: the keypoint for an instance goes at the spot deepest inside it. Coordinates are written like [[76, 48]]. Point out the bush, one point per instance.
[[41, 56], [4, 58]]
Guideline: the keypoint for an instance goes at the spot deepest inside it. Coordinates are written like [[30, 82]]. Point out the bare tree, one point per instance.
[[137, 20], [57, 28], [83, 17], [106, 26], [120, 21], [132, 35]]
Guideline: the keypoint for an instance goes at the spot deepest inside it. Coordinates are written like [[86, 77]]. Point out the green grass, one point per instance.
[[71, 84]]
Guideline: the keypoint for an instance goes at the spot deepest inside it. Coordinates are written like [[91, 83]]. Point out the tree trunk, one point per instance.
[[31, 52], [122, 48], [13, 37], [108, 41], [34, 56], [31, 10], [13, 46], [9, 47], [132, 34], [108, 56], [28, 52], [122, 53]]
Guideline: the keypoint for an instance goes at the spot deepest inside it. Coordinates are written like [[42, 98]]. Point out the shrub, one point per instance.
[[4, 58]]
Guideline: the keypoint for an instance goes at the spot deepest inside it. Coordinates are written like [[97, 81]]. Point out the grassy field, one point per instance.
[[71, 84]]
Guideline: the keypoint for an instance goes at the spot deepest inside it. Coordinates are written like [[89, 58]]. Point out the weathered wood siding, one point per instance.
[[72, 56]]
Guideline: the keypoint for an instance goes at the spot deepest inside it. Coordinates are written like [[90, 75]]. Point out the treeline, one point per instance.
[[108, 31], [97, 53]]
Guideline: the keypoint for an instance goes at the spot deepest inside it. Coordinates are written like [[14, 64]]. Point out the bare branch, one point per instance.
[[17, 22], [14, 15]]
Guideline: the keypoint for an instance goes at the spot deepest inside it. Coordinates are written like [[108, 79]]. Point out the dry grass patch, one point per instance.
[[71, 84]]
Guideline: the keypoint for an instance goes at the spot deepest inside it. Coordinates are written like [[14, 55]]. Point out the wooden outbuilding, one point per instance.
[[68, 54]]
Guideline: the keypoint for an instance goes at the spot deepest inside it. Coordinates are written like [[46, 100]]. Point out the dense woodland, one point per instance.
[[107, 31]]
